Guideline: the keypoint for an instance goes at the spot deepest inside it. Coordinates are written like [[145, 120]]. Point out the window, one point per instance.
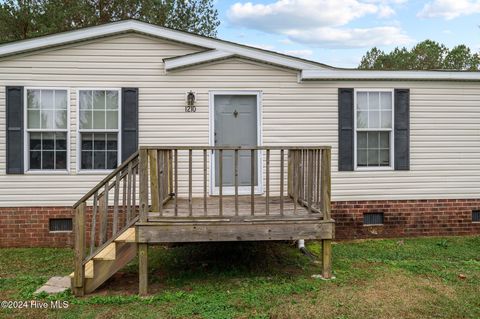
[[374, 129], [47, 129], [99, 129]]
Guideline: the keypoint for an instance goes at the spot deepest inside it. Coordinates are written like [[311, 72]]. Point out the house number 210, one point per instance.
[[190, 108]]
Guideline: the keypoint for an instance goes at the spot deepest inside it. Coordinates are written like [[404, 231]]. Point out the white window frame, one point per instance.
[[242, 190], [79, 131], [391, 130], [26, 131]]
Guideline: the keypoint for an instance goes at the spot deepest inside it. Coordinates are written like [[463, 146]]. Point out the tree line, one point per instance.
[[23, 19]]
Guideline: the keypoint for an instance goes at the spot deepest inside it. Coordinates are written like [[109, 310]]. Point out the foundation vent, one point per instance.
[[475, 215], [375, 218], [61, 224]]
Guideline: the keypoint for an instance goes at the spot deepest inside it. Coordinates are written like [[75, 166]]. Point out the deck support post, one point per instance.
[[142, 269], [78, 282], [327, 258]]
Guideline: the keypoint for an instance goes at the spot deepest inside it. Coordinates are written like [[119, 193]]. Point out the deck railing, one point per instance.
[[301, 173], [104, 213]]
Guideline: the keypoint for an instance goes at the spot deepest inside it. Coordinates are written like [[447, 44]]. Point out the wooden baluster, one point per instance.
[[165, 177], [134, 190], [220, 189], [304, 166], [176, 182], [235, 172], [310, 180], [79, 274], [295, 181], [282, 159], [267, 197], [252, 182], [124, 195], [115, 203], [129, 193], [205, 182], [161, 181], [170, 172], [317, 164], [155, 198], [104, 215], [143, 185], [326, 184], [94, 222], [190, 204]]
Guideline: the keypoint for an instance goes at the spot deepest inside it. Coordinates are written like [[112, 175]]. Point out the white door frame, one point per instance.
[[242, 190]]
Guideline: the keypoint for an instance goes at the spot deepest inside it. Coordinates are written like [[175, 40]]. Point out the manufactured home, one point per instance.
[[127, 134]]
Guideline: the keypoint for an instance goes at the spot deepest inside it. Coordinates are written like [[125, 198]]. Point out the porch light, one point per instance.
[[190, 107]]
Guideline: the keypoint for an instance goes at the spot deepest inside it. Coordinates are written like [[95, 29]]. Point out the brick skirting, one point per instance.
[[29, 226]]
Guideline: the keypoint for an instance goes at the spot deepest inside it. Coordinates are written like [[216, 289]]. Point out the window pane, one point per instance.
[[61, 100], [99, 158], [386, 100], [61, 141], [33, 99], [33, 119], [362, 140], [112, 100], [362, 119], [48, 160], [86, 121], [111, 160], [99, 100], [47, 100], [48, 142], [61, 119], [372, 157], [112, 142], [60, 160], [35, 159], [112, 119], [86, 161], [362, 101], [386, 119], [99, 119], [85, 100], [373, 101], [362, 158], [87, 142], [47, 119], [373, 119], [99, 142], [385, 140], [384, 158], [36, 141]]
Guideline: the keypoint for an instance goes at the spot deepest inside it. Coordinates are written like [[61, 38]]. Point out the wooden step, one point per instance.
[[107, 253], [128, 236], [88, 270]]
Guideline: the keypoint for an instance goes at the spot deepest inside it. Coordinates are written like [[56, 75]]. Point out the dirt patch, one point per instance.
[[390, 295]]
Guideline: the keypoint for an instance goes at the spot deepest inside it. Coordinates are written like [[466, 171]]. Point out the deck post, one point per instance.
[[154, 169], [326, 185], [142, 269], [79, 274], [143, 164], [327, 258]]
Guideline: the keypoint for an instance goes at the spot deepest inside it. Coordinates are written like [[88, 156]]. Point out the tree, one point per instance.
[[22, 19], [426, 55]]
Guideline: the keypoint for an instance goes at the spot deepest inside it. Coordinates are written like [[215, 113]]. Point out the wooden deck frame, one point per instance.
[[301, 210]]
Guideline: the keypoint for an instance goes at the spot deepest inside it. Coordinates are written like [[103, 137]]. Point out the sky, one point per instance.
[[338, 33]]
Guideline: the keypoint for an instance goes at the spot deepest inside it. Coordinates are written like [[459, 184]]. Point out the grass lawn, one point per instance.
[[406, 278]]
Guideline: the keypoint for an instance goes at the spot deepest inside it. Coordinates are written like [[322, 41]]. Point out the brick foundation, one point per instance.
[[405, 218], [29, 226]]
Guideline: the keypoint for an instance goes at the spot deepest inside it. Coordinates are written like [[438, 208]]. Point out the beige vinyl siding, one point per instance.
[[445, 118]]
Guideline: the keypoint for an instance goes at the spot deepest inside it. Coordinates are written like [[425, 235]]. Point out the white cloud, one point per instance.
[[449, 9], [351, 38], [320, 22]]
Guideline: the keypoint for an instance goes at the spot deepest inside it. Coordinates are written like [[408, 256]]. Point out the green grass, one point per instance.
[[406, 278]]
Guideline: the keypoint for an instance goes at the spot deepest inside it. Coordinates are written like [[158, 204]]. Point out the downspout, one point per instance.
[[304, 250]]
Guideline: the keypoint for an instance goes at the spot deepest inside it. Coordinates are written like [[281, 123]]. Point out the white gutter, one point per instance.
[[196, 58], [389, 75]]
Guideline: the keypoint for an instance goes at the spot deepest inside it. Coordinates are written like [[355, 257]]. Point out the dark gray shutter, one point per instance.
[[402, 129], [14, 102], [129, 122], [345, 129]]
